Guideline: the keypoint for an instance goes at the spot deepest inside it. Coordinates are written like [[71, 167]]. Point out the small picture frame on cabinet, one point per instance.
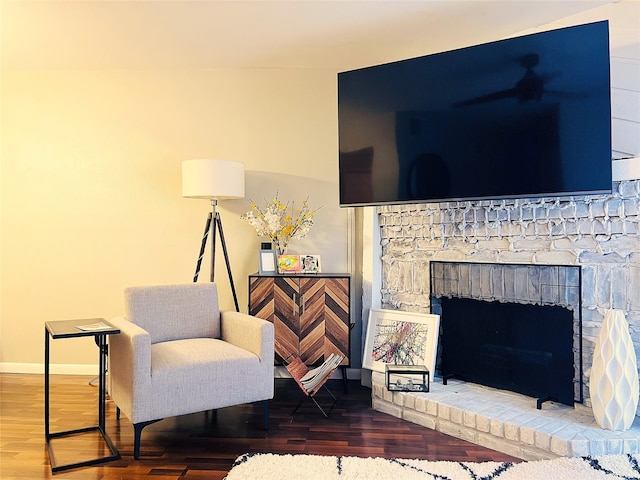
[[288, 263], [310, 263], [268, 261]]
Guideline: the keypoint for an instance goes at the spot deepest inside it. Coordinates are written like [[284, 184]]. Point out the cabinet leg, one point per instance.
[[345, 382]]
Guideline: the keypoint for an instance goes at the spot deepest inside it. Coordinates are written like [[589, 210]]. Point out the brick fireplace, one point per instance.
[[597, 235]]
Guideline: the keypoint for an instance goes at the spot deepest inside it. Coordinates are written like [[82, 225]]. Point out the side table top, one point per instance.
[[72, 328]]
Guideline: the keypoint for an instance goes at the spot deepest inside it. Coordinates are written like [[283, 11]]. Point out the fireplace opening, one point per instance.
[[523, 348]]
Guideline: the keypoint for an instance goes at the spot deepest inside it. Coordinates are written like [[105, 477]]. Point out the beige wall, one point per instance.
[[91, 195], [90, 178]]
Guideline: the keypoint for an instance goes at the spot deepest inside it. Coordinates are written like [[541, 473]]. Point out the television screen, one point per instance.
[[524, 117]]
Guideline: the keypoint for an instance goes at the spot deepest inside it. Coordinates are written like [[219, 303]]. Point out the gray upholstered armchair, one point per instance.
[[178, 354]]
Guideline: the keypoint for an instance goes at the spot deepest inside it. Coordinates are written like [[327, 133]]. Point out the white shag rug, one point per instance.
[[267, 466]]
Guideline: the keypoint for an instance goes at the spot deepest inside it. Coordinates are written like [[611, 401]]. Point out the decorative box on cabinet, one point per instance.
[[310, 314]]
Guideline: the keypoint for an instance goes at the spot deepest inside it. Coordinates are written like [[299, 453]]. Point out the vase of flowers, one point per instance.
[[280, 221]]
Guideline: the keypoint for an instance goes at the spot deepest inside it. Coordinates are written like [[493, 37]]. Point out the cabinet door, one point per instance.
[[324, 319], [261, 297], [286, 321], [276, 299]]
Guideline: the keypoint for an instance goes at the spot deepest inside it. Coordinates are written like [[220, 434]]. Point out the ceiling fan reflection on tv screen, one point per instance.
[[530, 87]]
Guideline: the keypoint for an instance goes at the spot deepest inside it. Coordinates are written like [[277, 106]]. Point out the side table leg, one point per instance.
[[46, 385], [102, 388]]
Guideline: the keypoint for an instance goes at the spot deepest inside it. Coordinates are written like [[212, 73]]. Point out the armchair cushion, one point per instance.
[[202, 374]]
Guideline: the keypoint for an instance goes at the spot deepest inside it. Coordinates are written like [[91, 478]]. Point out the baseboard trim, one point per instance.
[[80, 369], [54, 368]]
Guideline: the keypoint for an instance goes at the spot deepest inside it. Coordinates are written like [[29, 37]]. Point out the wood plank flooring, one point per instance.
[[204, 445]]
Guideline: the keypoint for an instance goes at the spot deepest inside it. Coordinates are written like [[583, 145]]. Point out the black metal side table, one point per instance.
[[91, 327]]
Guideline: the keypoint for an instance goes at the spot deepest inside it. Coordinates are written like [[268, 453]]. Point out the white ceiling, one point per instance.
[[337, 35]]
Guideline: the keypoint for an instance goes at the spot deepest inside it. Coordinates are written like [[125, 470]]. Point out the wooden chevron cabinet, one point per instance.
[[310, 314]]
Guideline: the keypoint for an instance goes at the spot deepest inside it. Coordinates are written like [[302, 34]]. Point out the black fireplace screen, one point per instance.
[[519, 347]]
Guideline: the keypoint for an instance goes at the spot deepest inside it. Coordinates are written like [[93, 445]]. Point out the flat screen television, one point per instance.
[[523, 117]]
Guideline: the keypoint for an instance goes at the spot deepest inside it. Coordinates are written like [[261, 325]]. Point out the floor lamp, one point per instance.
[[213, 180]]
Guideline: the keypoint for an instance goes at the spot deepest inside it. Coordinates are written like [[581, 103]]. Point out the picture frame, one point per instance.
[[395, 337], [310, 264], [288, 263], [267, 260]]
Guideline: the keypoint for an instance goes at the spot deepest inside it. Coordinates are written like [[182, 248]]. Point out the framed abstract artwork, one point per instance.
[[400, 338]]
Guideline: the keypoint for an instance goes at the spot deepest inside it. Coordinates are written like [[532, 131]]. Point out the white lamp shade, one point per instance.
[[219, 179]]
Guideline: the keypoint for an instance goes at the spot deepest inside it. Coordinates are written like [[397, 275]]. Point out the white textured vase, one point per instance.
[[614, 374]]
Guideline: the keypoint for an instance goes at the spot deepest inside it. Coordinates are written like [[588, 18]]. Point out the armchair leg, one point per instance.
[[265, 406], [212, 415], [137, 431]]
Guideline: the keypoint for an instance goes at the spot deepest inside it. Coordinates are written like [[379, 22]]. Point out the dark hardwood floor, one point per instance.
[[204, 445]]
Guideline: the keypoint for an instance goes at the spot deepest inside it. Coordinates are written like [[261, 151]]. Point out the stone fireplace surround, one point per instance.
[[597, 233]]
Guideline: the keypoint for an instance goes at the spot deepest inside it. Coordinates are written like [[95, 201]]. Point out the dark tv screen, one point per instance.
[[524, 117]]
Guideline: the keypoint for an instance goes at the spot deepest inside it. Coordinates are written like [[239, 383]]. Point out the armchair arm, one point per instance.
[[129, 364], [248, 332]]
